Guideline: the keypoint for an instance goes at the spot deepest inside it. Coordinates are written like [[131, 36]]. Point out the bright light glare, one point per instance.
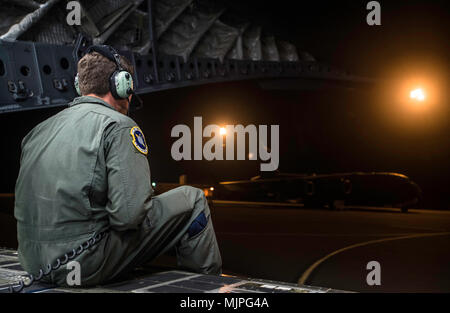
[[223, 131], [417, 94], [212, 188]]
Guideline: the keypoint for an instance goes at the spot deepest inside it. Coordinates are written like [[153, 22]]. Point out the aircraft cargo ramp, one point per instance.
[[147, 280]]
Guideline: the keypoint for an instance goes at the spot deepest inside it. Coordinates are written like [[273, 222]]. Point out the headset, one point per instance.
[[120, 82]]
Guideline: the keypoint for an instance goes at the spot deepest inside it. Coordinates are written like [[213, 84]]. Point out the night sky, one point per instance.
[[323, 131]]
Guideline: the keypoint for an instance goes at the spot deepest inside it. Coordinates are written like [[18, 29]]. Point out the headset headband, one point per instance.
[[108, 52]]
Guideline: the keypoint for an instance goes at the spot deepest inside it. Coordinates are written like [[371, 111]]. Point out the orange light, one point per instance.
[[417, 94], [223, 131], [413, 97]]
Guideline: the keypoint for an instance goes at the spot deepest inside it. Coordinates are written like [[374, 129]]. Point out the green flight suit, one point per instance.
[[84, 171]]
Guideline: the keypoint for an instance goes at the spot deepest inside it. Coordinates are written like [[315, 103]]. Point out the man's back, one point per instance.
[[65, 144]]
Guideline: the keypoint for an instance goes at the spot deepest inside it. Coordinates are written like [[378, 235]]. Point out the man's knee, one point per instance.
[[196, 198], [193, 192]]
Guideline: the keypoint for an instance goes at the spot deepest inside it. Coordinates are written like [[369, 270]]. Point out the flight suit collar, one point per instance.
[[90, 99]]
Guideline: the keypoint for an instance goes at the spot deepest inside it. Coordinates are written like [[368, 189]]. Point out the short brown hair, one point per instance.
[[94, 71]]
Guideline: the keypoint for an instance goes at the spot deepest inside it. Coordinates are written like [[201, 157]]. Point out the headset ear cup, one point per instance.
[[77, 86], [121, 84], [113, 85]]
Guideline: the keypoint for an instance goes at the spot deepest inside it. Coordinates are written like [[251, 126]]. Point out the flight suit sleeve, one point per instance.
[[128, 175]]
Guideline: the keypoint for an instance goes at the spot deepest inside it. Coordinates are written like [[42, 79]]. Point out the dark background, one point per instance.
[[324, 131]]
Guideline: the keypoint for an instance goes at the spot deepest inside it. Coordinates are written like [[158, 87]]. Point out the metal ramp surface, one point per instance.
[[149, 281]]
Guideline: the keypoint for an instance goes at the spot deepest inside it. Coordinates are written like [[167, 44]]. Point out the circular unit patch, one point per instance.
[[139, 140]]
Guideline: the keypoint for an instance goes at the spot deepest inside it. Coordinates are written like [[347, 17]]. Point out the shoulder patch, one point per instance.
[[139, 140]]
